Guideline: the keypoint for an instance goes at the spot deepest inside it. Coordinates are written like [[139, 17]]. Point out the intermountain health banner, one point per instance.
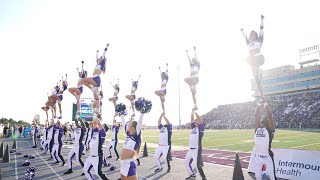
[[295, 164]]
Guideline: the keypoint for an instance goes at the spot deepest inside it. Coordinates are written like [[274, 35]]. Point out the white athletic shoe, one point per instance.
[[195, 108]]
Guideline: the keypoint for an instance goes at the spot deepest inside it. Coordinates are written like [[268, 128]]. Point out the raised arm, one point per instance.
[[160, 118], [257, 116], [261, 26], [199, 121], [78, 72], [167, 68], [195, 52], [269, 115], [105, 50], [83, 126], [188, 57], [124, 123], [167, 120], [97, 55], [139, 124], [192, 118], [245, 36]]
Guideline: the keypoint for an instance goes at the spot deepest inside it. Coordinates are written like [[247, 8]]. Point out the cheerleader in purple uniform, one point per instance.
[[77, 91], [163, 91], [94, 82]]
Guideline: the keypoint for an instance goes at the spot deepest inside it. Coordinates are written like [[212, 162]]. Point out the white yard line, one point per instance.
[[45, 162], [15, 166]]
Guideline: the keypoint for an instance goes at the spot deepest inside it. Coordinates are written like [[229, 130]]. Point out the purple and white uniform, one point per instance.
[[263, 154], [114, 140], [101, 67], [95, 158], [195, 149], [165, 133], [50, 137], [34, 137], [44, 143], [77, 148], [132, 142], [56, 150], [60, 93]]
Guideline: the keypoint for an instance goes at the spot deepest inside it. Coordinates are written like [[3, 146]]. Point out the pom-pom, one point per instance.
[[143, 105], [121, 108], [138, 103], [26, 163]]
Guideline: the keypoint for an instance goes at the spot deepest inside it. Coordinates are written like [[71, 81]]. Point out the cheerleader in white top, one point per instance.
[[95, 159], [114, 99], [58, 97], [57, 140], [94, 82], [51, 103], [44, 142], [77, 91], [163, 91], [255, 58], [194, 154], [132, 96], [114, 140], [132, 145], [164, 146], [78, 146], [193, 79], [264, 133]]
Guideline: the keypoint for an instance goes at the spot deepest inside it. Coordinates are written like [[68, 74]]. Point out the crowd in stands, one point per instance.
[[291, 111]]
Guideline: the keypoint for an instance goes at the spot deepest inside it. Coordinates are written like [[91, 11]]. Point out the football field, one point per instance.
[[240, 140], [219, 148]]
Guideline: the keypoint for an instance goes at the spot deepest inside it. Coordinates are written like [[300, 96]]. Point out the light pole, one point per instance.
[[179, 94]]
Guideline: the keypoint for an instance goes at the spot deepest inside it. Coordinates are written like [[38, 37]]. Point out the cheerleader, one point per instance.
[[255, 58], [163, 91], [44, 143], [95, 159], [77, 91], [78, 146], [132, 145], [193, 79], [114, 140], [51, 103], [164, 147], [56, 150], [94, 82], [132, 96], [35, 133], [88, 135], [50, 140], [59, 95], [115, 93], [194, 154]]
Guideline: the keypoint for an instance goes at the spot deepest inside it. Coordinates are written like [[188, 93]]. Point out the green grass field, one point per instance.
[[238, 140]]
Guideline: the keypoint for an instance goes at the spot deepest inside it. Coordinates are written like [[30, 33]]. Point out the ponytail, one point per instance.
[[137, 153]]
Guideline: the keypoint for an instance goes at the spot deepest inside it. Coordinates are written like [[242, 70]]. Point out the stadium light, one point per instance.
[[178, 67]]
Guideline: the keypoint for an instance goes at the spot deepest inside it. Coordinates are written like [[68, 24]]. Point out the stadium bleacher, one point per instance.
[[289, 111]]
